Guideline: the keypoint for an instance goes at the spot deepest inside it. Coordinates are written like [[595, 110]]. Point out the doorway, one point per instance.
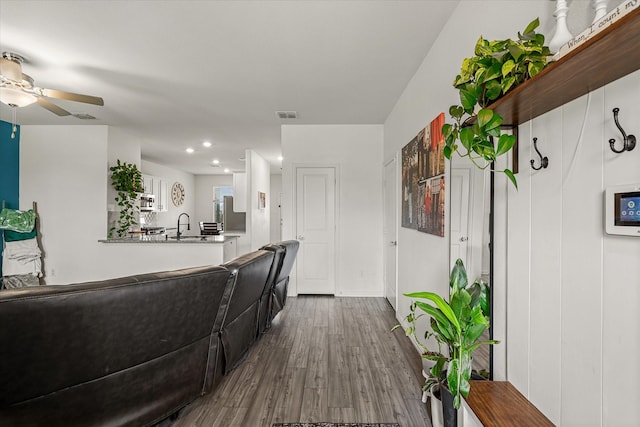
[[316, 230], [219, 193], [459, 215], [470, 219], [390, 238]]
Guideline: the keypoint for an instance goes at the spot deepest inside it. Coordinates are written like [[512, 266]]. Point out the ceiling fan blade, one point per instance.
[[87, 99], [52, 107]]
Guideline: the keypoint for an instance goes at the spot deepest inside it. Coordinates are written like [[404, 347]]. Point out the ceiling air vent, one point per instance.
[[84, 116], [287, 114]]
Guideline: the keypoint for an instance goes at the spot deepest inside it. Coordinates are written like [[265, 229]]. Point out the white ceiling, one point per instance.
[[177, 73]]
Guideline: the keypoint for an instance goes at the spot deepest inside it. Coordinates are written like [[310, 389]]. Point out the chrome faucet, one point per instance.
[[178, 233]]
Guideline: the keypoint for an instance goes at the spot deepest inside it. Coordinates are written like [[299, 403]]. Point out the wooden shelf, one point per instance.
[[607, 56], [500, 404]]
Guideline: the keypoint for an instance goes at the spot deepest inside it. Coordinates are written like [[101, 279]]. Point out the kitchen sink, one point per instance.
[[189, 237]]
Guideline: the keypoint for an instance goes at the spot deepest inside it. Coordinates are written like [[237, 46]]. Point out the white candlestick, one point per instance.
[[600, 7], [562, 34]]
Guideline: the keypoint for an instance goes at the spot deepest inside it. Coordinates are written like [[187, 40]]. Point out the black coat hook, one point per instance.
[[544, 161], [628, 141]]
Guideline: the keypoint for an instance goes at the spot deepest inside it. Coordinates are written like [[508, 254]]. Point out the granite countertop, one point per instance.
[[189, 239]]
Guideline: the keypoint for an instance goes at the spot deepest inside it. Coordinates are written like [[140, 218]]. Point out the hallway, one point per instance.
[[325, 359]]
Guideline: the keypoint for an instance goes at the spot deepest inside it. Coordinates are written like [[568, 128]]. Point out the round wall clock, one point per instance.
[[177, 194]]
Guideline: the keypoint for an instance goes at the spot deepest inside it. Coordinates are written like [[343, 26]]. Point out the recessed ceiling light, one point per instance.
[[226, 170], [215, 161], [280, 158], [206, 144], [189, 150]]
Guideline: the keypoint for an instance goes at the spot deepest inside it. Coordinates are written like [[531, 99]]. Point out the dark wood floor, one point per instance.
[[325, 359]]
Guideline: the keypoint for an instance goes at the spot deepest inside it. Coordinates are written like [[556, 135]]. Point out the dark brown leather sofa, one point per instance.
[[128, 351]]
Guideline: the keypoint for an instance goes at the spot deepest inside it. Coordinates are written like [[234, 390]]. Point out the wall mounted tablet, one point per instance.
[[622, 210]]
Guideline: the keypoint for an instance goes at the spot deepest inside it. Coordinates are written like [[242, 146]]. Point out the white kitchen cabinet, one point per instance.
[[147, 184], [156, 192], [161, 191], [159, 187], [164, 193], [230, 249]]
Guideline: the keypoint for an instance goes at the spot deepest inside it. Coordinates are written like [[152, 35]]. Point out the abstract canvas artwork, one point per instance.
[[423, 184]]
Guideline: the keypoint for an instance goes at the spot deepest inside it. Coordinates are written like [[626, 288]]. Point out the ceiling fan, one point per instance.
[[18, 90]]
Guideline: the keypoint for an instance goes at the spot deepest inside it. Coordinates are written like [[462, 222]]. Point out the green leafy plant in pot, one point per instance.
[[126, 179], [497, 67], [457, 325]]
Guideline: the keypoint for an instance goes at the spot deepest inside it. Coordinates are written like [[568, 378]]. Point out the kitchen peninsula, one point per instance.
[[146, 254], [216, 239]]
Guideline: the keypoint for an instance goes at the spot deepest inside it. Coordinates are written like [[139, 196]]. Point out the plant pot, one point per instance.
[[449, 413], [427, 364], [436, 407]]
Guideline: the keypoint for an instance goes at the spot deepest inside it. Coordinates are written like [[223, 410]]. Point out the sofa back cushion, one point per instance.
[[56, 337], [251, 272], [290, 252], [240, 327], [264, 311]]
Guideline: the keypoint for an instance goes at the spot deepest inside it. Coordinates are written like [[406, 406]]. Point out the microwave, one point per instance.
[[147, 202]]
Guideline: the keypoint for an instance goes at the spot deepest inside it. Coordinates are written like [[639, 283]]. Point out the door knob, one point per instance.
[[464, 239], [394, 243]]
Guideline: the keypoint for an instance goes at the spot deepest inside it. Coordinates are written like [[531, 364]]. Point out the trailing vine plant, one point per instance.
[[497, 67], [126, 179]]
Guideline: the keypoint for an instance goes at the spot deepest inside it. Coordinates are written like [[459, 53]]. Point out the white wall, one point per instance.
[[258, 180], [574, 303], [619, 261], [274, 206], [64, 169], [169, 219], [567, 297], [357, 152], [428, 93], [122, 146]]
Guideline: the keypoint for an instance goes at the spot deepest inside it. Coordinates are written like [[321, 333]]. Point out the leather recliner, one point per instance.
[[250, 273], [280, 285], [264, 309]]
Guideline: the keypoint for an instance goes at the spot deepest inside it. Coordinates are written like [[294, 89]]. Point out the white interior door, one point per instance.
[[390, 238], [459, 215], [315, 229]]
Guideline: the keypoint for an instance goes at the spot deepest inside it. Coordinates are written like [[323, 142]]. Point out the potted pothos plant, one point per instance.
[[496, 68], [126, 179], [457, 325]]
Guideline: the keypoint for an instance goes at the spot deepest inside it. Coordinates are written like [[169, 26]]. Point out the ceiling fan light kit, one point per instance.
[[15, 97]]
